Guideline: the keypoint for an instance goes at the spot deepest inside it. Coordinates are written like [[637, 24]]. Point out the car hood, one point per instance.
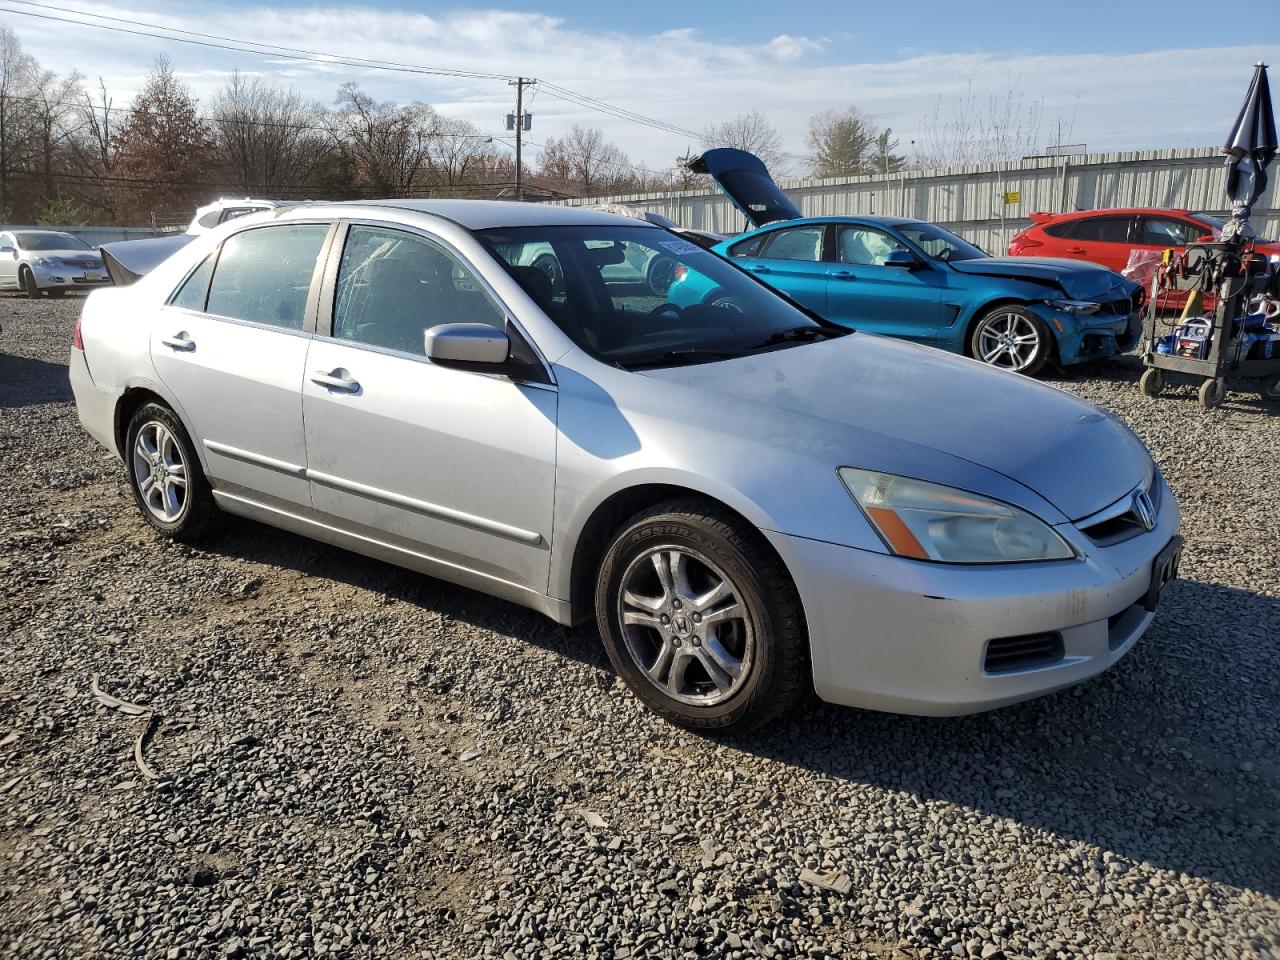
[[1070, 453], [1080, 281]]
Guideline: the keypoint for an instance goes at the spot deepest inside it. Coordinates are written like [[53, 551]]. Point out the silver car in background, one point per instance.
[[48, 261], [748, 500]]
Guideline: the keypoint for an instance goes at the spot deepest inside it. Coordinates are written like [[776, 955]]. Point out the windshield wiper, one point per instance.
[[806, 334], [676, 358]]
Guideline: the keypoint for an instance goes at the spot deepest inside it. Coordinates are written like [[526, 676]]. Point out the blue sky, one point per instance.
[[1117, 75]]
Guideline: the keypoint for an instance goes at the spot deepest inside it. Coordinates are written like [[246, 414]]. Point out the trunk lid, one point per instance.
[[746, 182]]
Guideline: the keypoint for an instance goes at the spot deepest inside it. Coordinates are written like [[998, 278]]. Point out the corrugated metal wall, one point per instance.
[[969, 200]]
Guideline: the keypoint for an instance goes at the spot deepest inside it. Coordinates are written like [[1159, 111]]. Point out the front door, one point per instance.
[[895, 301], [455, 465], [231, 346]]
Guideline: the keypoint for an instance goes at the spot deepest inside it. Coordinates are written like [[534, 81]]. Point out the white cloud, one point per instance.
[[786, 47], [685, 77]]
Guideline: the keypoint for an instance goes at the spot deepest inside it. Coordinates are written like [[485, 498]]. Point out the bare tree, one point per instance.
[[387, 143], [93, 148], [270, 137], [585, 160], [972, 130], [458, 152], [751, 132], [55, 121], [17, 73]]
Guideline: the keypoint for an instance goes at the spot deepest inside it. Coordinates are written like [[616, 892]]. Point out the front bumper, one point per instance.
[[905, 636], [67, 277], [1081, 338]]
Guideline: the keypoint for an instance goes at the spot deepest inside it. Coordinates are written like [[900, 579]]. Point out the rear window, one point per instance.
[[1101, 230], [264, 275]]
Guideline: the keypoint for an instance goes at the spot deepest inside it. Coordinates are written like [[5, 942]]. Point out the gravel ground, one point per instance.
[[354, 760]]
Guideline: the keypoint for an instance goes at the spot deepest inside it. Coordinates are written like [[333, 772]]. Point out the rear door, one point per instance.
[[231, 346], [454, 465], [790, 259], [866, 294], [1106, 240]]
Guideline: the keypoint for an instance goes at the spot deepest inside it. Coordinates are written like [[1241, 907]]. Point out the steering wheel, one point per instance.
[[662, 308]]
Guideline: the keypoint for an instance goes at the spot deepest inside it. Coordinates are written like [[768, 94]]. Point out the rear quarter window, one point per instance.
[[748, 248]]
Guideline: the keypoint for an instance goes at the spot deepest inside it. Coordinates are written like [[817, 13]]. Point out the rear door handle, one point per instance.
[[1075, 250], [179, 341], [335, 380], [844, 275]]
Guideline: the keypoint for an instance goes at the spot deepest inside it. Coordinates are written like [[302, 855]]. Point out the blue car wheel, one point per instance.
[[1012, 338]]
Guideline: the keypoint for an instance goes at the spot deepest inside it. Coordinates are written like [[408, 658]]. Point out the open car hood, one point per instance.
[[1080, 281], [746, 182], [127, 261]]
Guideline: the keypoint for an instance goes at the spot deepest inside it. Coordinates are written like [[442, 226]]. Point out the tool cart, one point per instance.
[[1229, 329]]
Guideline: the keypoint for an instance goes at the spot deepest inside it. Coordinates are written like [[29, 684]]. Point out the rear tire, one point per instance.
[[701, 620], [28, 282], [165, 476], [1011, 337]]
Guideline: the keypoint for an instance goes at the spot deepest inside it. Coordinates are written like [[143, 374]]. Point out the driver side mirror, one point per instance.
[[467, 345], [902, 259], [6, 249]]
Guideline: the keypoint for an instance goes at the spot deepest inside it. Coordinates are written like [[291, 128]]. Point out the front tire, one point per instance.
[[1012, 338], [701, 620], [28, 283], [165, 476]]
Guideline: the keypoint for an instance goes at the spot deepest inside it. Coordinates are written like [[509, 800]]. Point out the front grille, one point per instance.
[[1011, 654], [1121, 521]]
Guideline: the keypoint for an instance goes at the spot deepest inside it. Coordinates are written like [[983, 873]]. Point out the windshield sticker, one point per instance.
[[681, 248]]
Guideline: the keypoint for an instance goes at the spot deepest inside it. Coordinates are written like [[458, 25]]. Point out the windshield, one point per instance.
[[641, 296], [938, 243], [50, 241]]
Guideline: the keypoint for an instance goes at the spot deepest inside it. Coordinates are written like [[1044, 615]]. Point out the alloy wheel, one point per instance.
[[1008, 340], [160, 472], [685, 626]]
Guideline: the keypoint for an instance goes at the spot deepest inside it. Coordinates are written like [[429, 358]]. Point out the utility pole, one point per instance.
[[520, 122]]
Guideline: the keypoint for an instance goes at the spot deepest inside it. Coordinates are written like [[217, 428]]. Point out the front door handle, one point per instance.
[[179, 341], [1076, 250], [760, 269], [336, 380], [844, 275]]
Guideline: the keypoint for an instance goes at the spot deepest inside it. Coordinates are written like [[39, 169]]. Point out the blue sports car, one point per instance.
[[911, 279]]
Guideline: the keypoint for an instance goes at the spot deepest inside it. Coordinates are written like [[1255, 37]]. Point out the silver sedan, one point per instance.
[[748, 500]]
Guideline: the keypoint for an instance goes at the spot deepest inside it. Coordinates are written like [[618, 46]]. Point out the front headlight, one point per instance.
[[928, 521], [1075, 306], [45, 261]]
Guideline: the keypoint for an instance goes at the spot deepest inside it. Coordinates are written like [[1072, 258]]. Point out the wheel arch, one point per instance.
[[1002, 300], [135, 396], [606, 518]]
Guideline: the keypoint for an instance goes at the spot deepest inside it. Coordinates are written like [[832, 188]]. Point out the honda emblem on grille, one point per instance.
[[1144, 510]]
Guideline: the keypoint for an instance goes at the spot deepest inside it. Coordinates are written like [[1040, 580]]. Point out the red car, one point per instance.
[[1108, 236]]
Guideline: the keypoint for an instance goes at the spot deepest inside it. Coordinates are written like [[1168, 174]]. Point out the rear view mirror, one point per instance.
[[466, 345], [608, 255], [900, 258]]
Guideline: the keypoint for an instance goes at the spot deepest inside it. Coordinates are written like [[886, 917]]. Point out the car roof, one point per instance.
[[873, 219], [487, 214], [1115, 212]]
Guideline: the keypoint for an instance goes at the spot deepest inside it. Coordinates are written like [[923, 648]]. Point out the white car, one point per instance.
[[224, 209], [748, 499], [46, 261]]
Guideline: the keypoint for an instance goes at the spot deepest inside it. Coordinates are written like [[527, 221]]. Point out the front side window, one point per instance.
[[865, 247], [392, 286], [263, 275], [938, 243], [795, 243], [1161, 232], [711, 310]]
